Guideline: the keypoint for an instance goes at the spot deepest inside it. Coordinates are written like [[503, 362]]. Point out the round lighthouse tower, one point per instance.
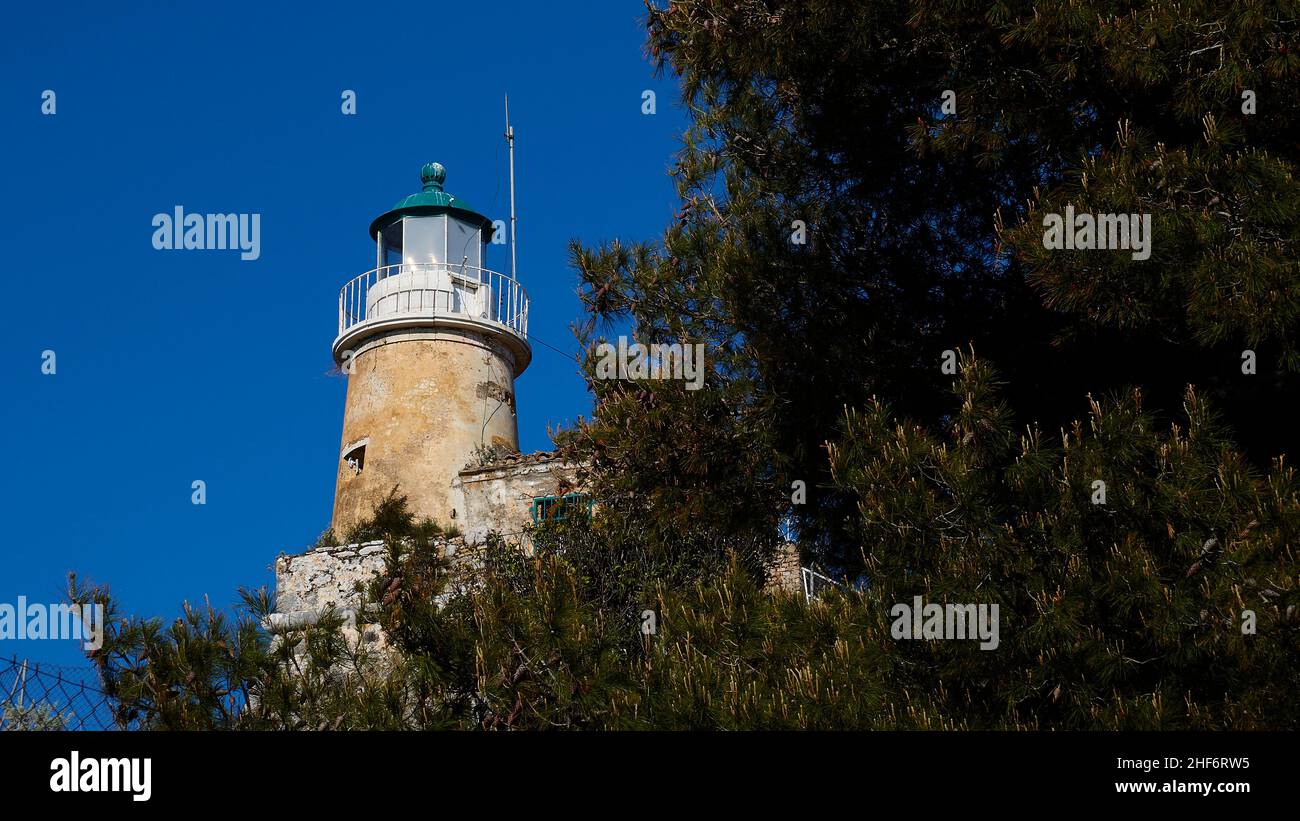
[[431, 342]]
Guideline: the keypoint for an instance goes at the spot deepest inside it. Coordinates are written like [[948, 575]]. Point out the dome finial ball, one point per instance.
[[433, 175]]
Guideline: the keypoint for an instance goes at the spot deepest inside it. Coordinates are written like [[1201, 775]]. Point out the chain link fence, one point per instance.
[[36, 696]]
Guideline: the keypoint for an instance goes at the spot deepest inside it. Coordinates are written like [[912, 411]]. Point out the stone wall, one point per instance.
[[784, 570], [308, 583]]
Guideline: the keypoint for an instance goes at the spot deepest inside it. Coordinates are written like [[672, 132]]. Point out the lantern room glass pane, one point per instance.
[[390, 244], [464, 247], [424, 240]]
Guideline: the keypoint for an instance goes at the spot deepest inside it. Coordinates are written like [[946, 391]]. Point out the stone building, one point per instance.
[[431, 342]]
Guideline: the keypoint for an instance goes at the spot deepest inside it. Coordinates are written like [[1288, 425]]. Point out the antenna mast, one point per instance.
[[510, 140]]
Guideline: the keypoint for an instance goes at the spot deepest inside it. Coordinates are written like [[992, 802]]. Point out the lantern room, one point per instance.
[[432, 228], [431, 272]]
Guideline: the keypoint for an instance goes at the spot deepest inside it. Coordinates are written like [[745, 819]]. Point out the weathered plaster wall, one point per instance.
[[499, 497], [423, 400]]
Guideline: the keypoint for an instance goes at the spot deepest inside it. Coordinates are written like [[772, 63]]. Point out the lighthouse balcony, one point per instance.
[[413, 295]]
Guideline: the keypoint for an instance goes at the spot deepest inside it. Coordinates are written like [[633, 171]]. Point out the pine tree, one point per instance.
[[1146, 578], [922, 227]]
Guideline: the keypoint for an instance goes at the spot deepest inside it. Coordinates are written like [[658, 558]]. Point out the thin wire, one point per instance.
[[557, 350]]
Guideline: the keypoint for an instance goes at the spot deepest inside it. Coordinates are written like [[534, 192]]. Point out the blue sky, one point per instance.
[[174, 366]]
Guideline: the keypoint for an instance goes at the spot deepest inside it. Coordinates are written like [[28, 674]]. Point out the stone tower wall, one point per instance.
[[421, 401]]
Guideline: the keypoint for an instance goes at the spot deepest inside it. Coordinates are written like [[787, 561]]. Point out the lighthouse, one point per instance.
[[431, 342]]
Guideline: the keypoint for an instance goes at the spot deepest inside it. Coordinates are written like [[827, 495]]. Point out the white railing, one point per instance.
[[814, 583], [433, 289]]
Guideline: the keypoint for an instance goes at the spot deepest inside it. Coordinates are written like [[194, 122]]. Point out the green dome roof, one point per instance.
[[430, 200]]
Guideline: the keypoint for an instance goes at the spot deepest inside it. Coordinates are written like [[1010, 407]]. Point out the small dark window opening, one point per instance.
[[355, 460]]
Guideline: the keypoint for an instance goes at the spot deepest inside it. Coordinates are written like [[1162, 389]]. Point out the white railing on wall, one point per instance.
[[433, 289]]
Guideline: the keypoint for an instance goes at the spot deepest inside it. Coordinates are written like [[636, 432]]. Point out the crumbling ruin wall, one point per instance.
[[498, 497], [784, 570]]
